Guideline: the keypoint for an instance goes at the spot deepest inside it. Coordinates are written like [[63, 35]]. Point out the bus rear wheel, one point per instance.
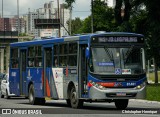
[[68, 102], [41, 101], [121, 104], [32, 99], [74, 101]]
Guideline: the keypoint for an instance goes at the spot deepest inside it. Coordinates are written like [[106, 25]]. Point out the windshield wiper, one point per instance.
[[127, 54], [110, 54]]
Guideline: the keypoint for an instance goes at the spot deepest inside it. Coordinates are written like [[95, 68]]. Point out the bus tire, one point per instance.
[[32, 99], [68, 102], [74, 101], [41, 101], [121, 104]]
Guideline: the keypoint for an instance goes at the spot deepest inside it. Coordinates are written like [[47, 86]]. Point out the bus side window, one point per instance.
[[38, 57], [31, 63], [63, 60], [63, 54], [31, 56], [55, 62], [72, 56], [14, 58]]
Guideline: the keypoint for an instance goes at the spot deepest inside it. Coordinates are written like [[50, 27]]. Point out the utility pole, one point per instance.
[[18, 17], [92, 29], [70, 20], [2, 8], [59, 18]]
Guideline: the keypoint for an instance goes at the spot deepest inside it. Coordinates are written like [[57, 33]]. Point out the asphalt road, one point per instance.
[[59, 108]]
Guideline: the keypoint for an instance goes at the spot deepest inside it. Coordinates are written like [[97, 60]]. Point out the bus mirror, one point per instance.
[[87, 53]]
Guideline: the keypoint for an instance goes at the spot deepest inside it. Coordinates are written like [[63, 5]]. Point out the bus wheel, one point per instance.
[[68, 102], [32, 99], [41, 101], [74, 101], [121, 104]]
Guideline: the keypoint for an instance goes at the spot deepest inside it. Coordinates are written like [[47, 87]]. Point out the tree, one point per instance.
[[154, 21], [125, 6], [103, 16], [153, 29], [76, 25], [86, 27]]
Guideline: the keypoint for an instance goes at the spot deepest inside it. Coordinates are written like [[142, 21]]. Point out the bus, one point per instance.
[[103, 67]]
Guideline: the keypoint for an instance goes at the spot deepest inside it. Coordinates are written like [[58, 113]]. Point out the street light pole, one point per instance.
[[18, 17], [2, 8], [92, 29], [59, 18]]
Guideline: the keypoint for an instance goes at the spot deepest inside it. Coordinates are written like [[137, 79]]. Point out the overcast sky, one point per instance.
[[81, 7]]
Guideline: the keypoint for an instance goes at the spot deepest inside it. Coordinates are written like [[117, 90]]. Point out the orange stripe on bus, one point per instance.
[[107, 84], [48, 88]]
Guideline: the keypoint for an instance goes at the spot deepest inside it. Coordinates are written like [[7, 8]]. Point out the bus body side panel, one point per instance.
[[61, 79], [34, 75], [14, 80], [69, 75], [50, 84]]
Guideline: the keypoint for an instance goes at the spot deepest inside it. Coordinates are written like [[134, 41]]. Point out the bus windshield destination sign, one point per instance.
[[118, 39]]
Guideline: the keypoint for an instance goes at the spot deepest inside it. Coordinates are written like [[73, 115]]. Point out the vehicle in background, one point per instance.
[[5, 87], [1, 77]]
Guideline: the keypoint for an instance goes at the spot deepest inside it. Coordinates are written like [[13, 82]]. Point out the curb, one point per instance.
[[144, 101]]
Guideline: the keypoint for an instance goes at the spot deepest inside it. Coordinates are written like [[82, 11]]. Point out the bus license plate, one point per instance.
[[121, 94]]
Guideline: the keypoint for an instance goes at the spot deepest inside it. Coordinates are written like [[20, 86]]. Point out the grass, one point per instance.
[[153, 92], [151, 76]]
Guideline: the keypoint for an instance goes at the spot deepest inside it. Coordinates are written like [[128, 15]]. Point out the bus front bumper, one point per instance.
[[117, 93]]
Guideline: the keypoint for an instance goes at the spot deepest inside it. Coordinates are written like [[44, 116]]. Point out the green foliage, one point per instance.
[[76, 25], [86, 28], [22, 34], [153, 92], [69, 2], [103, 16]]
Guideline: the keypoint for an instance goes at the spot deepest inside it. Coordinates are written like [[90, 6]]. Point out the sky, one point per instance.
[[81, 8]]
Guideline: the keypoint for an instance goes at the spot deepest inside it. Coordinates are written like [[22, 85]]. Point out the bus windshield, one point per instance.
[[116, 61]]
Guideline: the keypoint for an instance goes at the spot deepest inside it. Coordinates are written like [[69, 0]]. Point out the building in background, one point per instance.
[[64, 17], [14, 24], [50, 11], [11, 24], [5, 24]]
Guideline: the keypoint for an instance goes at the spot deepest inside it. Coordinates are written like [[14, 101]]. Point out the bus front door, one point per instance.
[[82, 72], [47, 71], [23, 72]]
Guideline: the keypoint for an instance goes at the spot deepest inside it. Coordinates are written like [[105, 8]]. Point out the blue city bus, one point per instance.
[[104, 67]]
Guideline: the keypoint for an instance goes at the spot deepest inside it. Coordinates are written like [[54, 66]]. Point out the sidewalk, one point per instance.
[[145, 101], [151, 82]]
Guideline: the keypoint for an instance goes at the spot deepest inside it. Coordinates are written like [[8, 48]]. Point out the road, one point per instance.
[[59, 108]]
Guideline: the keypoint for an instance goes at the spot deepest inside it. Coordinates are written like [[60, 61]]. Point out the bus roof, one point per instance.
[[84, 37]]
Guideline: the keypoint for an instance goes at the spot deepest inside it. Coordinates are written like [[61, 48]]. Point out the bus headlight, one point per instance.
[[141, 85]]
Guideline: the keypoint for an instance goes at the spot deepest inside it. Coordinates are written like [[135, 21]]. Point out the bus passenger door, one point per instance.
[[47, 71], [83, 71], [23, 72]]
